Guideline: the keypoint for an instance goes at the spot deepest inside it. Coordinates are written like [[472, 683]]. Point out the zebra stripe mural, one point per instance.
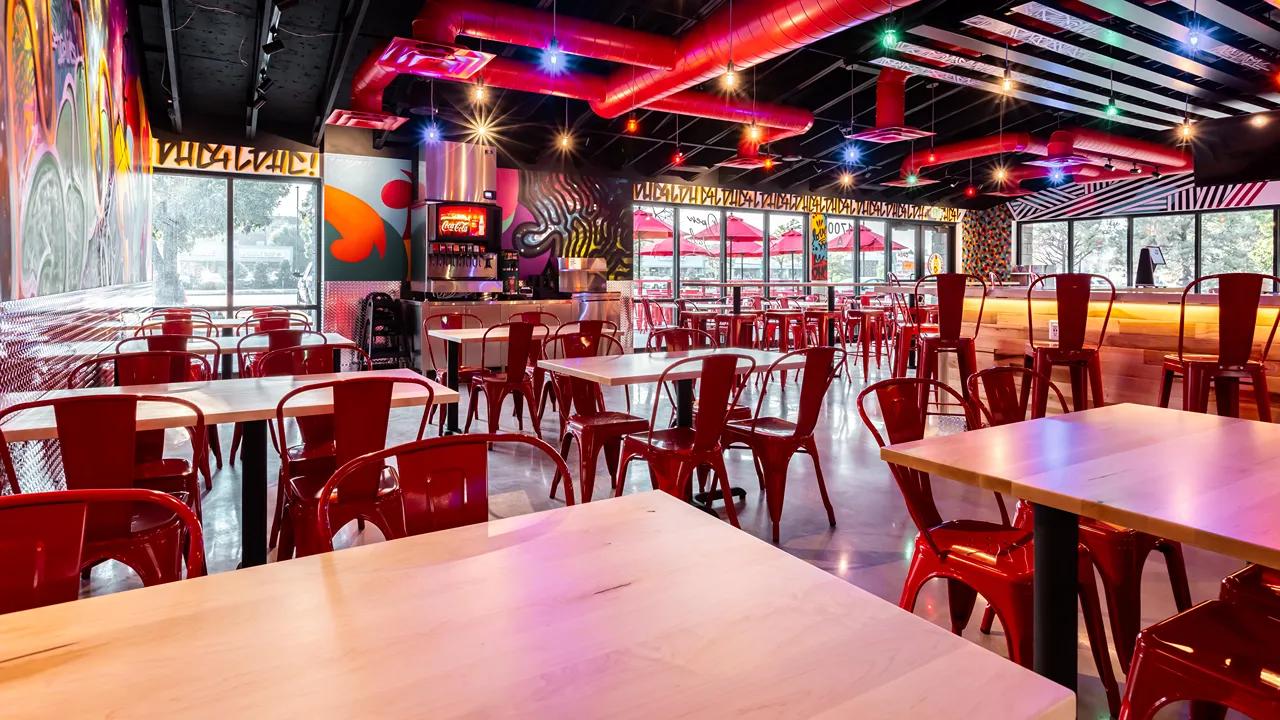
[[1177, 193]]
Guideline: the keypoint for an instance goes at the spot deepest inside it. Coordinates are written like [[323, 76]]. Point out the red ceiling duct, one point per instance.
[[917, 161], [891, 99]]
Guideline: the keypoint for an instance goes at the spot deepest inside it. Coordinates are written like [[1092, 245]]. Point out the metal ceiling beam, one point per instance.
[[1035, 61], [348, 30], [1229, 17], [1155, 22], [267, 15], [171, 63], [1031, 37]]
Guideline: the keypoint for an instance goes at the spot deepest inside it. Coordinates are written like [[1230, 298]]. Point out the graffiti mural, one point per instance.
[[817, 246], [550, 215], [986, 236], [366, 218], [77, 190]]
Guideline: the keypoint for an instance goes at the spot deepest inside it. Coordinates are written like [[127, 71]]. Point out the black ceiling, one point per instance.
[[1069, 57]]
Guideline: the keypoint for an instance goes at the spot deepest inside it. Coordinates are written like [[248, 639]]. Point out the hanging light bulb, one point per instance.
[[1193, 38], [912, 178], [730, 78], [932, 158], [553, 52], [971, 191], [633, 125], [846, 179], [1112, 110], [1007, 83], [677, 158], [432, 134], [1184, 130], [1057, 176], [768, 163], [1001, 174], [478, 92], [566, 141], [890, 38], [753, 132], [851, 154]]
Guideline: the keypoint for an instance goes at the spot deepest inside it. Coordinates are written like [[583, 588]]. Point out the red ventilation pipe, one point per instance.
[[1103, 146], [891, 98], [967, 149]]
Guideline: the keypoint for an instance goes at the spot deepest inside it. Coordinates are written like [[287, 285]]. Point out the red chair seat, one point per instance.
[[1009, 550], [677, 439], [152, 549], [1255, 585], [160, 468], [741, 430], [306, 488], [1173, 362], [608, 419]]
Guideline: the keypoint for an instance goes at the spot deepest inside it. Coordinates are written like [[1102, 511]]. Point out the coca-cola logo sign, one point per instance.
[[462, 222]]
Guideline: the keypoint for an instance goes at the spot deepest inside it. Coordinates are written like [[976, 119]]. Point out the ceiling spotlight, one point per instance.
[[851, 154], [846, 179], [768, 163], [432, 135], [266, 84], [273, 47], [633, 125], [1108, 166], [1258, 120], [971, 191], [1134, 170], [1057, 176], [1001, 174], [553, 53], [912, 178], [890, 38], [1184, 130], [1155, 173], [1112, 110], [478, 91], [1193, 38], [566, 141], [753, 132], [677, 158], [730, 78], [1007, 83]]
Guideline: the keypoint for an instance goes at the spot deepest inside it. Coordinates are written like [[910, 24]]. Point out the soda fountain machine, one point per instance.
[[456, 229]]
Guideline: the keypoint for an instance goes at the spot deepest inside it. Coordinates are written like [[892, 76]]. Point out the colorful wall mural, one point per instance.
[[986, 237], [818, 246], [1168, 194], [366, 218], [551, 215], [76, 194]]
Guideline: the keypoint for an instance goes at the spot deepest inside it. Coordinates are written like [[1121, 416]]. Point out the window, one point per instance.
[[1236, 242], [699, 249], [189, 226], [871, 251], [903, 251], [842, 248], [274, 241], [652, 229], [744, 251], [1102, 247], [937, 241], [1175, 235], [786, 251], [1045, 245]]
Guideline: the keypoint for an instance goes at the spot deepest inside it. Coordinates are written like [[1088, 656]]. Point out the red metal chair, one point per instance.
[[1073, 292], [440, 366], [774, 440], [679, 340], [1217, 655], [974, 556], [245, 312], [583, 416], [536, 317], [673, 454], [251, 348], [443, 483], [514, 379], [869, 323], [279, 320], [784, 329], [152, 469], [361, 413], [188, 325], [159, 316], [1255, 585], [197, 344], [96, 439], [555, 347], [1235, 360], [1118, 553], [43, 537], [951, 289]]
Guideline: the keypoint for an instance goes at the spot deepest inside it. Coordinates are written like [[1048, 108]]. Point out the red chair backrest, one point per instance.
[[536, 317], [143, 368], [198, 344], [583, 395], [447, 321], [42, 539], [820, 366], [97, 439], [444, 480], [249, 349], [950, 291], [1239, 295], [521, 347], [718, 390], [1003, 396], [306, 360], [257, 310], [679, 340], [1072, 293]]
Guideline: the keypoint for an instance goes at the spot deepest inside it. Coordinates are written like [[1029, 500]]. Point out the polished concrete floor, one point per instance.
[[870, 546]]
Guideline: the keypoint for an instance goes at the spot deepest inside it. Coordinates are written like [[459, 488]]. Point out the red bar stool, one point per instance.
[[773, 441], [1218, 655], [951, 290], [1118, 553], [870, 323], [43, 537], [674, 453], [514, 378], [1073, 292], [974, 556], [905, 325], [1238, 298], [97, 438]]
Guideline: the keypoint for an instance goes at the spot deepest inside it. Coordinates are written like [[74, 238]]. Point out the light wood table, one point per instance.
[[251, 401], [591, 611], [228, 344], [453, 342], [1200, 479]]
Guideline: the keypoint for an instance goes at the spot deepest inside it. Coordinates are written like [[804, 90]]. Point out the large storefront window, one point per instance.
[[786, 251], [744, 247], [1102, 247], [871, 253], [1045, 245], [1237, 242], [1175, 235], [700, 250], [842, 248], [653, 231]]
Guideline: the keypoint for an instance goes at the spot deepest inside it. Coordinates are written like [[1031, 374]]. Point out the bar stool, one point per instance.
[[1238, 298], [1072, 293], [950, 291], [870, 323]]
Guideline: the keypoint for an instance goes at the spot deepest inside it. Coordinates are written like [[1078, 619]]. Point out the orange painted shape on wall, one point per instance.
[[359, 226]]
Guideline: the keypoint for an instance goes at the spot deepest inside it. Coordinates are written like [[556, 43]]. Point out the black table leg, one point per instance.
[[337, 360], [226, 365], [737, 300], [452, 351], [253, 494], [831, 307], [1057, 537]]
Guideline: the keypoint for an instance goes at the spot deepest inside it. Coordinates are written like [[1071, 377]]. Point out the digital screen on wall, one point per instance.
[[1240, 149], [461, 221]]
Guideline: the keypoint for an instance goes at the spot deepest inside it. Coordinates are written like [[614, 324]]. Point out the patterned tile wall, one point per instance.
[[987, 236], [41, 340]]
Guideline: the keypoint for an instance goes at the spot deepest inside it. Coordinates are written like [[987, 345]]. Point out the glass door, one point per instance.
[[936, 251], [904, 252]]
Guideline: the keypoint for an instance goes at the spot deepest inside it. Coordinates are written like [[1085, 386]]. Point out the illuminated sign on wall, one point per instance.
[[210, 157], [461, 221], [787, 202]]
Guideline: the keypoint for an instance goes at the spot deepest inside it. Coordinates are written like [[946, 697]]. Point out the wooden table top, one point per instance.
[[226, 346], [636, 368], [1200, 479], [591, 611], [222, 401], [475, 335]]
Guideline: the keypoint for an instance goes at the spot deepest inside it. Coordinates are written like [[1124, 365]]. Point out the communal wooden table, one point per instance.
[[1200, 479], [251, 401], [598, 610], [453, 341], [226, 347]]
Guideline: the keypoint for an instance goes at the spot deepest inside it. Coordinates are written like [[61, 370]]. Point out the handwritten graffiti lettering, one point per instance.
[[187, 155], [787, 202]]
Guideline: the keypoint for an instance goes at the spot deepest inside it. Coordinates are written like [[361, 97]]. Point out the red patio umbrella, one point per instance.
[[745, 248], [869, 242], [735, 229], [646, 226], [663, 248], [790, 242]]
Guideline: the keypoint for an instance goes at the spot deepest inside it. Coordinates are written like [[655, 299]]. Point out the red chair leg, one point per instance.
[[215, 445], [1177, 566], [725, 490], [1095, 379], [588, 455], [988, 618], [1261, 397], [611, 449], [517, 409], [1043, 367], [565, 442], [1079, 390], [472, 406], [1227, 396], [960, 601], [968, 357], [811, 447], [1166, 387], [1092, 611], [235, 444]]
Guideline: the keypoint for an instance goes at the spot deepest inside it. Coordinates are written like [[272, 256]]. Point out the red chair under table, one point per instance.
[[97, 438], [514, 378], [179, 325], [582, 331], [361, 414], [1118, 553], [685, 339], [974, 556], [1072, 295], [674, 453], [951, 290], [250, 349], [1217, 655], [1255, 585], [774, 440], [1238, 298], [440, 366], [43, 536], [585, 418], [185, 343], [443, 483]]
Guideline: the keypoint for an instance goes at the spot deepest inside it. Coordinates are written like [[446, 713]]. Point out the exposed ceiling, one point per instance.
[[1157, 62]]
